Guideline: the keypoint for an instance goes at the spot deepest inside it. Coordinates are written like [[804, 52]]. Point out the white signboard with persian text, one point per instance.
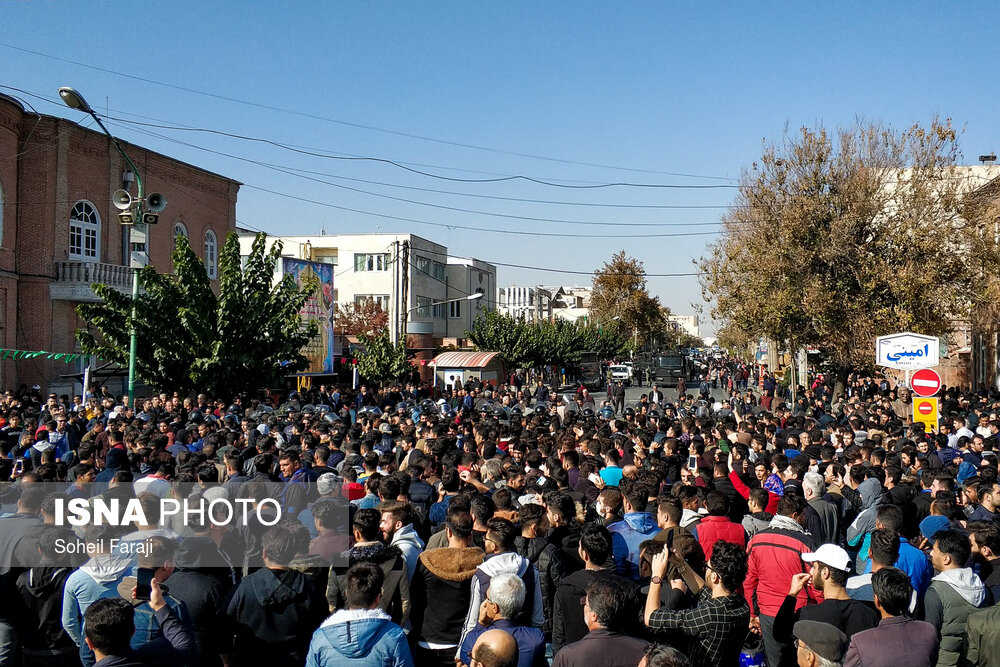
[[907, 351]]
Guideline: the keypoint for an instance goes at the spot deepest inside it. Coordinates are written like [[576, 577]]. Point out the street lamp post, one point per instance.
[[133, 214], [471, 297]]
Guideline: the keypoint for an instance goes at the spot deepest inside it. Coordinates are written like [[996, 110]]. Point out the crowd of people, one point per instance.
[[503, 526]]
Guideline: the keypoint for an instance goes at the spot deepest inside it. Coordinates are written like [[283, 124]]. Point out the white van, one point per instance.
[[621, 372]]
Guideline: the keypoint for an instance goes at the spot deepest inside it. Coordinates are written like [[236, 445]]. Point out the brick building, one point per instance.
[[59, 232]]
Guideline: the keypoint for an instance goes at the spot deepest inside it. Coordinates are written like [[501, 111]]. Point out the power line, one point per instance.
[[371, 128], [400, 165], [292, 171]]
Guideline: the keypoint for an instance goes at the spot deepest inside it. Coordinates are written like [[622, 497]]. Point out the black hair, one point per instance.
[[366, 522], [109, 625], [893, 589], [531, 514], [954, 543], [717, 503], [885, 546], [561, 504], [503, 532], [891, 517], [362, 585], [596, 543], [278, 544], [729, 561], [460, 524], [790, 504], [482, 507], [608, 601]]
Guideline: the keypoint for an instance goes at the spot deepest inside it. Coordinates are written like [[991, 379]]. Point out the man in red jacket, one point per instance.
[[717, 526], [774, 556]]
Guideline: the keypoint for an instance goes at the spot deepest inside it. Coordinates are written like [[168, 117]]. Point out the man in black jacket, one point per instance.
[[567, 621], [441, 591], [274, 611], [543, 554]]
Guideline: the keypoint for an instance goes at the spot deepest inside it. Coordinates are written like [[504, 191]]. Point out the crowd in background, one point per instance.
[[509, 526]]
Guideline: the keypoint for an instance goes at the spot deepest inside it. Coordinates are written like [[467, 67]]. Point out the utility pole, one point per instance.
[[394, 331], [405, 298]]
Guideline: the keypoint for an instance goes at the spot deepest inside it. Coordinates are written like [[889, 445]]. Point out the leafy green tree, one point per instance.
[[382, 361], [496, 332], [189, 339], [620, 290], [835, 239]]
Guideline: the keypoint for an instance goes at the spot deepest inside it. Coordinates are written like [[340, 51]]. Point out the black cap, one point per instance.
[[823, 639]]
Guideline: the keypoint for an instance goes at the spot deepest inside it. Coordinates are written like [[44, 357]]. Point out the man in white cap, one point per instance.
[[829, 568]]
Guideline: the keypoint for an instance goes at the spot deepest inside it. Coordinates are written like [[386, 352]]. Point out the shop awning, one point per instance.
[[463, 359]]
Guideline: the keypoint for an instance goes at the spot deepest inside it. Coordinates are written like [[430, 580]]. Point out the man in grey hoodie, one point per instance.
[[500, 559], [955, 592], [397, 529], [859, 532], [97, 578]]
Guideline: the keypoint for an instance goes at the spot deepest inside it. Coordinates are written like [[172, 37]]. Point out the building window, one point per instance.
[[180, 230], [455, 310], [440, 311], [211, 255], [424, 306], [423, 265], [1, 215], [84, 232], [371, 261], [381, 299], [438, 271]]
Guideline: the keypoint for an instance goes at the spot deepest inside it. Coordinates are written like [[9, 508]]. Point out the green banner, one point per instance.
[[66, 357]]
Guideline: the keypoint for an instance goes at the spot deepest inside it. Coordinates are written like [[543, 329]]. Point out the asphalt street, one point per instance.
[[633, 393]]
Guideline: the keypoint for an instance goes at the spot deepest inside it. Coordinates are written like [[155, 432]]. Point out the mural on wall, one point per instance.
[[319, 308]]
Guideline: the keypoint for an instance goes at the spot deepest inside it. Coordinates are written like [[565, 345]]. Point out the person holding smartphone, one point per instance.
[[155, 567]]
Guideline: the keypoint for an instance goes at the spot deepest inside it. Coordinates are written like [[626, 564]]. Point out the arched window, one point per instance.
[[84, 232], [180, 230], [211, 254]]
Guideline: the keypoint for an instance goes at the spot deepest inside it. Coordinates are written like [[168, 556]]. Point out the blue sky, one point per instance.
[[654, 90]]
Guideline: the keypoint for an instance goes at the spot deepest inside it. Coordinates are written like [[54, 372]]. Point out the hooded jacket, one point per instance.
[[39, 608], [531, 614], [626, 536], [97, 578], [952, 596], [410, 545], [756, 522], [440, 592], [872, 495], [548, 560], [395, 587], [363, 637], [202, 586], [272, 614]]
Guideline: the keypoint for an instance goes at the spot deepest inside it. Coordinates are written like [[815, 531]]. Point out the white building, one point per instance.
[[406, 274], [687, 322], [530, 303]]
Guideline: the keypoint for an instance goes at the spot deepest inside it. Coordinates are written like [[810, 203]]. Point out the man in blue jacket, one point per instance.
[[503, 602], [637, 526], [360, 634]]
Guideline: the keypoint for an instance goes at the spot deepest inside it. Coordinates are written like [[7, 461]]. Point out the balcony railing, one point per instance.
[[88, 273], [74, 279]]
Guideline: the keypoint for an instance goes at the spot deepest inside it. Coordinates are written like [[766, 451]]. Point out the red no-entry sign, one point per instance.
[[925, 382], [925, 408]]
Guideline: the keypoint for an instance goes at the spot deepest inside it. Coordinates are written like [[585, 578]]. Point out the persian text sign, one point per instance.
[[907, 351]]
